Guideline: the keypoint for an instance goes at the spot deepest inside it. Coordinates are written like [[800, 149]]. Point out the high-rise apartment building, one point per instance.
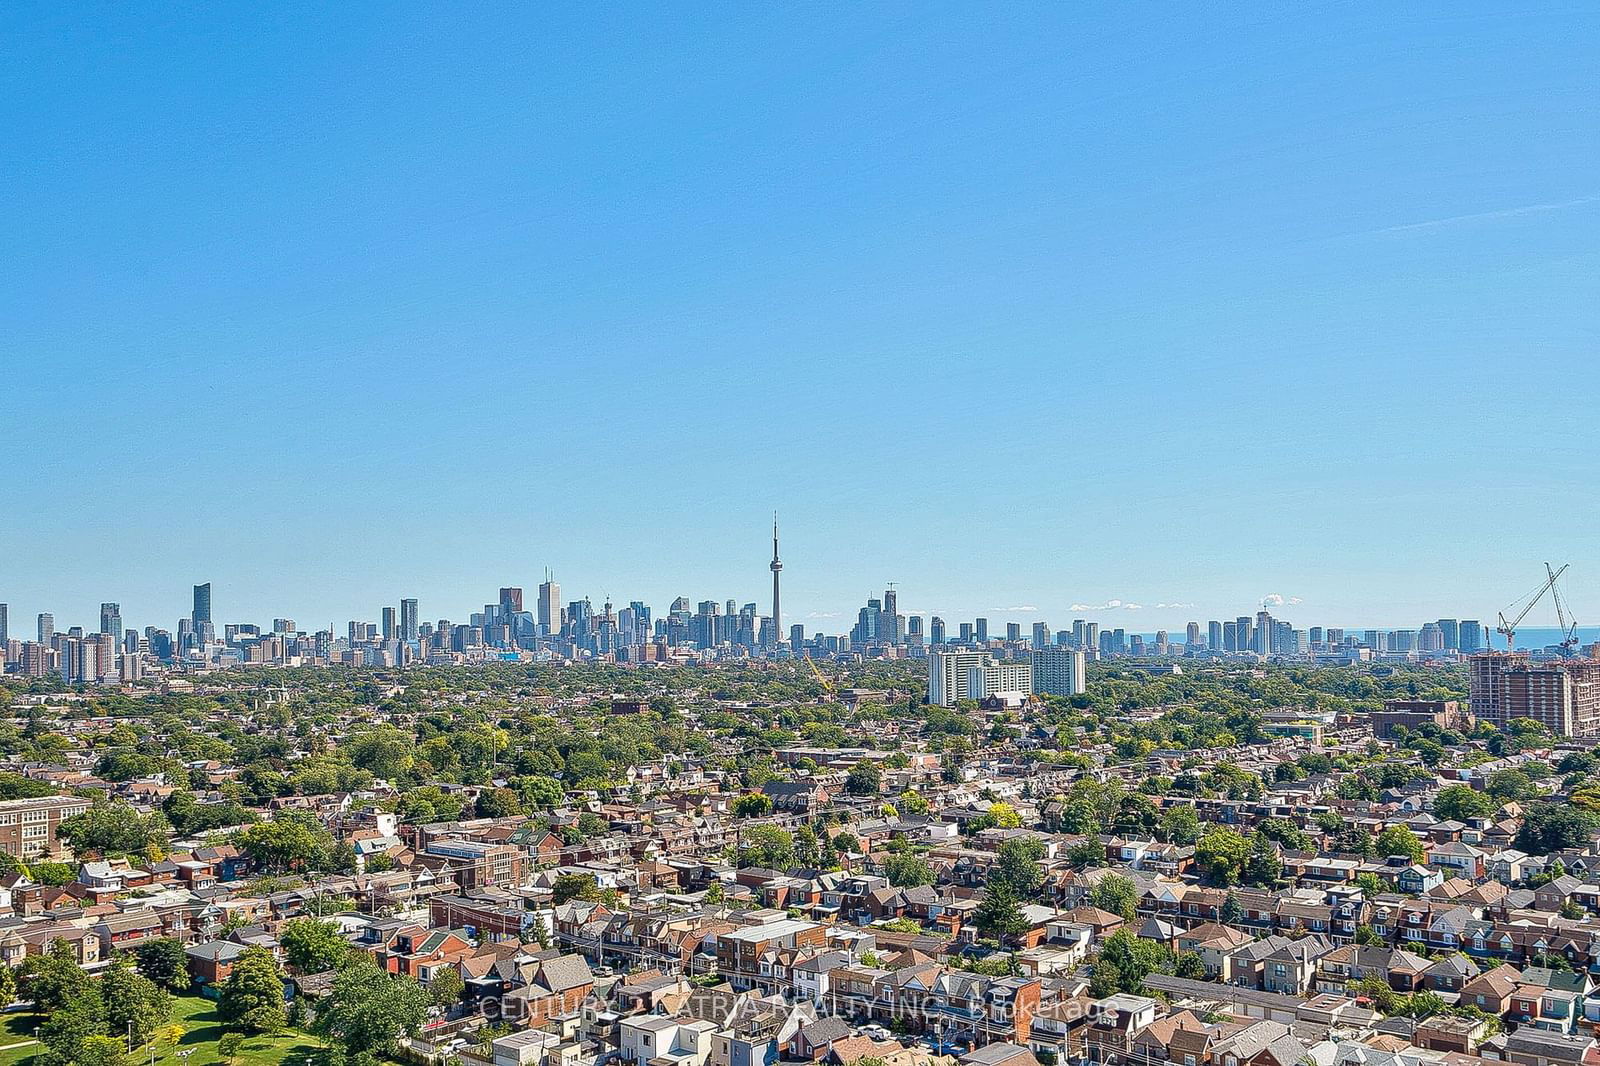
[[202, 605], [961, 674], [981, 631], [5, 623], [936, 630], [391, 625], [1214, 636], [47, 628], [111, 619], [1563, 695], [1059, 671], [1471, 637], [409, 621]]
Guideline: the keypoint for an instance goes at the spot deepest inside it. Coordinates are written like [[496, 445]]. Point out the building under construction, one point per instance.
[[1563, 695]]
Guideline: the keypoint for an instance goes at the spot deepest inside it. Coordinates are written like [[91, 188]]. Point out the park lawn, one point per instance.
[[202, 1029]]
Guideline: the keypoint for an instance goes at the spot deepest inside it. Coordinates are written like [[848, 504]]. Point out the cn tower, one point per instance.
[[777, 568]]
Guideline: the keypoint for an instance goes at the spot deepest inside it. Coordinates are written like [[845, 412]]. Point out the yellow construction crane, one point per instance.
[[822, 679]]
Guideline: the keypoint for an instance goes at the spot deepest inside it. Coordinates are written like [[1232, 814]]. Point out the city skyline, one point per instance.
[[1132, 617]]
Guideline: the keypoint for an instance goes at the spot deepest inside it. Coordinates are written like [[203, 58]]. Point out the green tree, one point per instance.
[[999, 914], [1232, 910], [114, 828], [367, 1010], [1263, 866], [1461, 802], [767, 846], [753, 805], [1398, 840], [134, 1004], [312, 945], [864, 779], [291, 840], [51, 979], [1116, 894], [908, 871], [1017, 864], [1124, 962], [1222, 854], [1511, 784], [1181, 825], [252, 996], [446, 987], [164, 961]]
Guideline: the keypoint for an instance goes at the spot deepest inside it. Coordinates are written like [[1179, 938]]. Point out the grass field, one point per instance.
[[198, 1016]]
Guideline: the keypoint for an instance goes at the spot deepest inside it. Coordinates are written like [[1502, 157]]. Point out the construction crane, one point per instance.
[[1569, 625], [1509, 626], [822, 679]]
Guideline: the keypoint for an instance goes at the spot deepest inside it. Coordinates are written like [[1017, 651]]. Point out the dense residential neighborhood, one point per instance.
[[761, 863]]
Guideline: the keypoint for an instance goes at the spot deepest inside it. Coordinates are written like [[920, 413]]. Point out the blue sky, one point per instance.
[[1018, 306]]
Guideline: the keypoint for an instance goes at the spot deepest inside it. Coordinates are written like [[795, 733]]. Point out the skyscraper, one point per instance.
[[1059, 671], [1214, 636], [936, 630], [111, 619], [5, 623], [776, 566], [510, 603], [1471, 636], [549, 606], [47, 628], [390, 629], [408, 620]]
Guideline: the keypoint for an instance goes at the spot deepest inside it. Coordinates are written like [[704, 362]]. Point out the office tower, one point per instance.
[[1041, 635], [776, 566], [955, 675], [47, 628], [1230, 636], [510, 603], [1059, 671], [966, 633], [1561, 695], [550, 606], [1471, 635], [391, 627], [889, 622], [797, 637], [111, 618], [1013, 631], [936, 630], [1450, 629], [982, 630], [1191, 635], [869, 624], [1431, 638], [1214, 636], [914, 630], [408, 620], [1162, 643], [1335, 636], [5, 623], [283, 625], [202, 605], [641, 617]]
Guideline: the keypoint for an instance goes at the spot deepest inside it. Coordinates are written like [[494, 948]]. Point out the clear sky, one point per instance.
[[1020, 306]]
